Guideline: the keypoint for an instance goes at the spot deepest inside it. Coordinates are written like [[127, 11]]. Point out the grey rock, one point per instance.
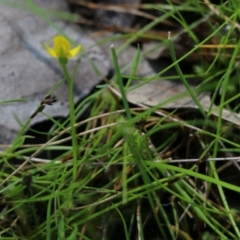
[[28, 72]]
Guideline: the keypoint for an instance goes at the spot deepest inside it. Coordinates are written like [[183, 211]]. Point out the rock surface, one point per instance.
[[27, 72]]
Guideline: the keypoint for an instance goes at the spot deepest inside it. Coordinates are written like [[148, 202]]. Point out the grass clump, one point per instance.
[[118, 170]]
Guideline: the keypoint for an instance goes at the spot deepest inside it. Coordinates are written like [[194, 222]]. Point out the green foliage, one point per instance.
[[112, 176]]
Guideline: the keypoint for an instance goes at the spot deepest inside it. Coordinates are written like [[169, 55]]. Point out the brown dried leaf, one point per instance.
[[156, 92]]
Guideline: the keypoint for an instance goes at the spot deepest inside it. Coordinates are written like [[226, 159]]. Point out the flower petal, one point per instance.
[[59, 40], [62, 48], [51, 51], [73, 52]]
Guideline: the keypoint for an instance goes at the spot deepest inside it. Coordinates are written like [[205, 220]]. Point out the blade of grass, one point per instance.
[[181, 76], [120, 82]]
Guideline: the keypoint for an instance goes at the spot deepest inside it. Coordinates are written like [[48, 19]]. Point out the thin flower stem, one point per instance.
[[63, 64]]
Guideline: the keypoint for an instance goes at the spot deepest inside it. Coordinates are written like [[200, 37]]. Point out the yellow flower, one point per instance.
[[61, 48]]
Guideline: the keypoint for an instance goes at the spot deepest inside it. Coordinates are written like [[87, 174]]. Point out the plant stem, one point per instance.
[[63, 64]]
